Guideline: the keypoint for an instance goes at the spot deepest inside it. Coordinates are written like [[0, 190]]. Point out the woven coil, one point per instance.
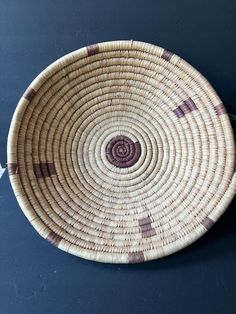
[[121, 152]]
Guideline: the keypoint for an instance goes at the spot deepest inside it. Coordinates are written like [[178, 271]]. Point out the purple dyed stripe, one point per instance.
[[44, 169], [12, 168], [220, 109], [146, 228], [29, 93], [167, 55], [178, 112], [207, 222], [93, 49], [136, 257], [187, 106], [190, 104], [54, 239]]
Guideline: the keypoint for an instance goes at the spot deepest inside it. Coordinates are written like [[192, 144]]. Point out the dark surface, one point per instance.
[[35, 277]]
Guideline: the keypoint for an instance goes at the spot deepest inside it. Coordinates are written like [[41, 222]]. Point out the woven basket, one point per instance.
[[121, 152]]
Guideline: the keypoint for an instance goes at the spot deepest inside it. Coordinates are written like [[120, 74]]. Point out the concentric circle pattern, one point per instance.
[[121, 152]]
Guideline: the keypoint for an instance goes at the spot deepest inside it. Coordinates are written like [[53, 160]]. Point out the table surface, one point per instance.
[[37, 278]]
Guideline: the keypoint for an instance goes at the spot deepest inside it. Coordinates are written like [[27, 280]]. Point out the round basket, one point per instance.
[[121, 152]]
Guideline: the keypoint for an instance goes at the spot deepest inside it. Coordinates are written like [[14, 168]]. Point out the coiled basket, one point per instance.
[[121, 152]]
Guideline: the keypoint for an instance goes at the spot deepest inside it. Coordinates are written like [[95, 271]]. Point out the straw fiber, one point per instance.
[[121, 152]]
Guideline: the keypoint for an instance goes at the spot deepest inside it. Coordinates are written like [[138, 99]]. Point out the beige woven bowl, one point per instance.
[[121, 152]]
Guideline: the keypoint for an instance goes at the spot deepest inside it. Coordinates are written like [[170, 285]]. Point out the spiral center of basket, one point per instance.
[[122, 152]]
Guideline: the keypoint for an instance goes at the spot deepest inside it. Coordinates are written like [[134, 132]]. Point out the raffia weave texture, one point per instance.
[[121, 152]]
